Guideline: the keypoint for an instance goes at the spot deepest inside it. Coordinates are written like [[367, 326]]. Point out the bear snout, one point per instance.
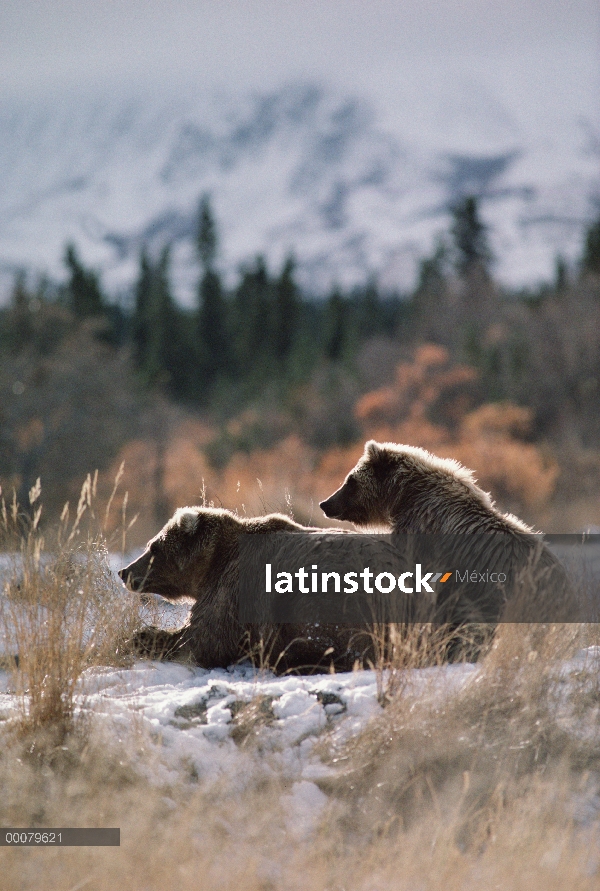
[[127, 576], [135, 574], [331, 507]]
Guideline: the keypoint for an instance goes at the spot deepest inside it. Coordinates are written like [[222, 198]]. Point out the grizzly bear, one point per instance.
[[196, 556], [411, 492]]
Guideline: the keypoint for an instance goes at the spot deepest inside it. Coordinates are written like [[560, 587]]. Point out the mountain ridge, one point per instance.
[[304, 168]]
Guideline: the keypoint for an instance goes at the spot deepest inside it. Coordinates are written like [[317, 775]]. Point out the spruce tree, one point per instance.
[[433, 269], [213, 339], [20, 295], [472, 250], [83, 293], [212, 336], [591, 253], [141, 323], [158, 348], [206, 234], [286, 312], [561, 274], [369, 310], [336, 326], [168, 355], [15, 319], [253, 323]]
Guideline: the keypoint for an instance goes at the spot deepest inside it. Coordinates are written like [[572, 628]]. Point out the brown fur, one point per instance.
[[196, 555], [412, 491], [407, 490]]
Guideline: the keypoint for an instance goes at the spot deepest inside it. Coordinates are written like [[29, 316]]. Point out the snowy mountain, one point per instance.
[[350, 190]]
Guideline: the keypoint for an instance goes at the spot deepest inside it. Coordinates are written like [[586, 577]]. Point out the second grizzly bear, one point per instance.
[[409, 490], [196, 556], [412, 492]]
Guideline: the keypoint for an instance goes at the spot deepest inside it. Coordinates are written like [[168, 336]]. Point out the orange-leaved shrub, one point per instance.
[[432, 402]]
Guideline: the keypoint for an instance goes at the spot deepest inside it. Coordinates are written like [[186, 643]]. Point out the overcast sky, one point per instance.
[[239, 43]]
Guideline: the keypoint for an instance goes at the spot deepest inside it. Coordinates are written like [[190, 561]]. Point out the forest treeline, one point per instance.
[[266, 331], [82, 374], [263, 331]]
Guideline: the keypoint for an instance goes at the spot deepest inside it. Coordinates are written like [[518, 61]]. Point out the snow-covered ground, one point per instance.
[[199, 721]]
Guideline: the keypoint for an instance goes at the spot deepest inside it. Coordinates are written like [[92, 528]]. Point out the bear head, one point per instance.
[[177, 560], [359, 499], [390, 479]]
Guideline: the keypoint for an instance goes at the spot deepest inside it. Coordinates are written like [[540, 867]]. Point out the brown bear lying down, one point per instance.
[[196, 555]]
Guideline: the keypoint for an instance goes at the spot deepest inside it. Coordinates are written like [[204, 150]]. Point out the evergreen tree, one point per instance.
[[432, 270], [471, 245], [22, 316], [335, 326], [16, 327], [159, 346], [561, 274], [154, 364], [286, 311], [429, 307], [206, 235], [20, 295], [369, 310], [141, 323], [168, 353], [591, 252], [212, 336], [253, 323], [83, 293]]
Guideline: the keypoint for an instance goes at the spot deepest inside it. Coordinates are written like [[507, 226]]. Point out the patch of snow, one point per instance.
[[303, 808]]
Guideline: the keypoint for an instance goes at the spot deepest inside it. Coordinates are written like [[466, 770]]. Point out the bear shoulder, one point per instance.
[[273, 523]]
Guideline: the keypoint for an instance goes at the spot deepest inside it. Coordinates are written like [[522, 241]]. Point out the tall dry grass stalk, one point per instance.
[[400, 647], [61, 610]]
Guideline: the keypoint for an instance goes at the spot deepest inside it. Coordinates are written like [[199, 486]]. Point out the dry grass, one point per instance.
[[398, 648], [463, 763], [60, 610]]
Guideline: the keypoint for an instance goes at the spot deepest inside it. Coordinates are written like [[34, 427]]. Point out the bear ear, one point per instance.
[[189, 520], [372, 449]]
